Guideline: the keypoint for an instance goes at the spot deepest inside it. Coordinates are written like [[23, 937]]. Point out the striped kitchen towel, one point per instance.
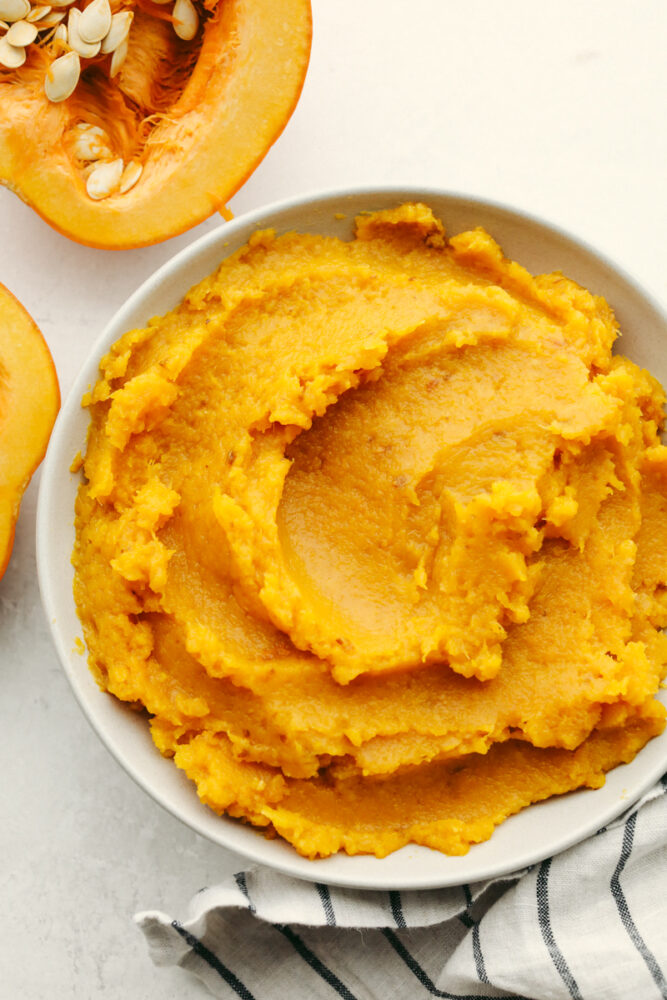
[[588, 924]]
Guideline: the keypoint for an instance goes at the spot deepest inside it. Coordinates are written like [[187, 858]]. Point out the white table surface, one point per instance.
[[558, 109]]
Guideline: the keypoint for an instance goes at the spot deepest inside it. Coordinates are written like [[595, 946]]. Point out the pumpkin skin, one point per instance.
[[198, 135], [29, 403]]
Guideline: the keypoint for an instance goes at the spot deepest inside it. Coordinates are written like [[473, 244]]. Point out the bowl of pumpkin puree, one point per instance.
[[352, 537]]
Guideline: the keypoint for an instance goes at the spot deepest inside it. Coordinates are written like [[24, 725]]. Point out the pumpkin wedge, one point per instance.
[[130, 121], [29, 403]]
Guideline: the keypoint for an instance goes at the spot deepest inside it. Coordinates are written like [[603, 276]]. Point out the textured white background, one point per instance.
[[558, 109]]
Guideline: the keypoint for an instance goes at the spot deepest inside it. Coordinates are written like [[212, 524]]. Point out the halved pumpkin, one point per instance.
[[192, 118], [29, 403]]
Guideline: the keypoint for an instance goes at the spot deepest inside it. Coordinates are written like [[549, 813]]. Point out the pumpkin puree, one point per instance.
[[376, 532]]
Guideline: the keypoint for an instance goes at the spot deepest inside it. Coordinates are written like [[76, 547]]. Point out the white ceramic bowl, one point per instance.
[[538, 831]]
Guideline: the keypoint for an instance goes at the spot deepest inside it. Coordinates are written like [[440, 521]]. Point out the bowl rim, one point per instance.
[[254, 850]]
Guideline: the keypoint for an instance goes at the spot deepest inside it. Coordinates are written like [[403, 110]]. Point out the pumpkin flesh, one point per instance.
[[29, 402]]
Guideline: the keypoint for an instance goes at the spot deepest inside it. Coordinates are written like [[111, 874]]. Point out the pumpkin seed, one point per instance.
[[118, 32], [11, 56], [61, 3], [91, 143], [37, 13], [3, 24], [104, 179], [62, 77], [131, 175], [21, 33], [51, 20], [186, 19], [60, 34], [118, 58], [74, 39], [95, 21], [14, 10]]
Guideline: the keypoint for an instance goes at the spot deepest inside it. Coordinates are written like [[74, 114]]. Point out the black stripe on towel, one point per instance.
[[327, 904], [473, 925], [397, 909], [240, 880], [465, 917], [480, 967], [200, 949], [425, 980], [556, 954], [314, 962], [624, 911]]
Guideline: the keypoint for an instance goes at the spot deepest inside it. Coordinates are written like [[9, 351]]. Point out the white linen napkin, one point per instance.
[[588, 924]]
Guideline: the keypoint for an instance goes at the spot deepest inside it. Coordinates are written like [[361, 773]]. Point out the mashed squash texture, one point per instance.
[[376, 532]]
